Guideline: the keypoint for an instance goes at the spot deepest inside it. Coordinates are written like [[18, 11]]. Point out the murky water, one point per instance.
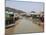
[[24, 25]]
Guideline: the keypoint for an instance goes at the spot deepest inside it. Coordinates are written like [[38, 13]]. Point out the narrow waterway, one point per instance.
[[24, 25]]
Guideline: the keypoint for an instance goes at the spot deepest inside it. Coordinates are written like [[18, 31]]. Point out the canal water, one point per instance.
[[24, 25]]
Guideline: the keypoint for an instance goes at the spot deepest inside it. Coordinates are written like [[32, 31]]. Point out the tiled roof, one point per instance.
[[13, 10]]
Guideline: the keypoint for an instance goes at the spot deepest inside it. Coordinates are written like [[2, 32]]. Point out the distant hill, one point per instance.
[[32, 11], [13, 10]]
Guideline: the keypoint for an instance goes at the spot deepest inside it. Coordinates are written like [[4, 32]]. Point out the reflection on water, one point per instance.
[[24, 25]]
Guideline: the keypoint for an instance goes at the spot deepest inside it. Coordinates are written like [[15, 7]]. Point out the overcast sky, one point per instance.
[[25, 6]]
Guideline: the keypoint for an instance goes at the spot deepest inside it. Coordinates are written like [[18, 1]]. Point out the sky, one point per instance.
[[25, 6]]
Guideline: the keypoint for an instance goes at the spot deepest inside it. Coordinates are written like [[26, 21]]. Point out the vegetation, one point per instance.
[[8, 18]]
